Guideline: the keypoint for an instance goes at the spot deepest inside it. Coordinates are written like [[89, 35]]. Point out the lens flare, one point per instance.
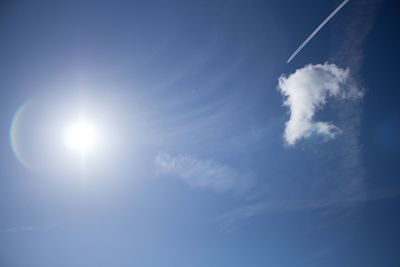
[[20, 143]]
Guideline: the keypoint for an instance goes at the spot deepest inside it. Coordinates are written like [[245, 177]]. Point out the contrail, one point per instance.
[[317, 29]]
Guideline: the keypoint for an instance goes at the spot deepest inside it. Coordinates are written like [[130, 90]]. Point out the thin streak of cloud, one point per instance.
[[354, 30], [30, 228], [317, 30], [201, 173], [230, 219]]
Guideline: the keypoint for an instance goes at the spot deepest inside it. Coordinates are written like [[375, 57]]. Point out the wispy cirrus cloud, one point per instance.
[[338, 192], [354, 30], [231, 219], [200, 173], [29, 228], [306, 91]]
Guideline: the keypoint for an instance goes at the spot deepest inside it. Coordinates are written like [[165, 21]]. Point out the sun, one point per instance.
[[81, 136]]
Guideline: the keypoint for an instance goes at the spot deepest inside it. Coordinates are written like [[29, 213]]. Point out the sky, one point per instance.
[[203, 146]]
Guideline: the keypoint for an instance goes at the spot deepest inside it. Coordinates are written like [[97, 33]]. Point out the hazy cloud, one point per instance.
[[29, 228], [204, 173], [306, 91], [338, 205]]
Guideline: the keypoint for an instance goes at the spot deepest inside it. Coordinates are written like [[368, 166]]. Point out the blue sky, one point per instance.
[[213, 151]]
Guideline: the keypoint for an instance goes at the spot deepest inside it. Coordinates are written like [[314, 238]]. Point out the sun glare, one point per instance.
[[81, 136]]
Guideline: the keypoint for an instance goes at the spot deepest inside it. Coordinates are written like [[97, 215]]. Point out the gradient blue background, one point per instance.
[[199, 78]]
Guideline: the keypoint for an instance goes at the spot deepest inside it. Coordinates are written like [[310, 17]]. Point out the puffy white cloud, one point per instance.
[[204, 173], [306, 91]]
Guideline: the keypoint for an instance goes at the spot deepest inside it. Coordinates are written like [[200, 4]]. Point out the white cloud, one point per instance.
[[204, 173], [306, 91]]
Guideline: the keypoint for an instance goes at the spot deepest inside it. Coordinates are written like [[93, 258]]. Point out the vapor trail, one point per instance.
[[317, 29]]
